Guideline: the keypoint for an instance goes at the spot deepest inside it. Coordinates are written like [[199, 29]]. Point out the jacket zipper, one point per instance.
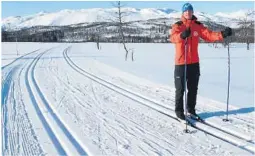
[[191, 51], [191, 47]]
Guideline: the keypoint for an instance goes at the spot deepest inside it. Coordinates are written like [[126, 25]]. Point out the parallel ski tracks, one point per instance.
[[17, 134], [63, 138], [209, 128], [15, 60]]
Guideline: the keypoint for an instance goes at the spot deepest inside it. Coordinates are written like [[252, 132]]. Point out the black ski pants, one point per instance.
[[192, 79]]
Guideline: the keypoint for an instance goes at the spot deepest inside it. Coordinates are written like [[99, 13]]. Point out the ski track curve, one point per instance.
[[19, 59], [234, 140], [165, 97], [40, 115], [136, 132], [61, 135], [170, 99]]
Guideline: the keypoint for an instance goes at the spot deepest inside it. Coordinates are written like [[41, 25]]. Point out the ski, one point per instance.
[[197, 118]]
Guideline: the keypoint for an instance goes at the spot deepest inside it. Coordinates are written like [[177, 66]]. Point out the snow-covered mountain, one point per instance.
[[70, 17]]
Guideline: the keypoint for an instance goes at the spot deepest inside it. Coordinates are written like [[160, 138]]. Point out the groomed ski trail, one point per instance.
[[224, 135], [65, 141], [61, 136]]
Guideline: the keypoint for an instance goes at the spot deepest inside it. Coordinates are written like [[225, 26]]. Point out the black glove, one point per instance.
[[185, 33], [227, 32]]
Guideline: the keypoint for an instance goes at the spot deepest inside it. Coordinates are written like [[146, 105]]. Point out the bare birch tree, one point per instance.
[[97, 34], [119, 20], [247, 26]]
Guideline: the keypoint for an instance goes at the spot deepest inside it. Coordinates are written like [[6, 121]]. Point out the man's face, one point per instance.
[[188, 14]]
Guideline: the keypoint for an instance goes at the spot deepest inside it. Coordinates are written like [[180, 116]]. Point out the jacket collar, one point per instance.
[[186, 21]]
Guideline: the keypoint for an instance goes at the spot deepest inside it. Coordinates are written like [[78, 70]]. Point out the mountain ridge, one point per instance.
[[67, 17]]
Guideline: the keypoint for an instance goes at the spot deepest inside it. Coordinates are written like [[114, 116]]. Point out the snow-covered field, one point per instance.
[[72, 99]]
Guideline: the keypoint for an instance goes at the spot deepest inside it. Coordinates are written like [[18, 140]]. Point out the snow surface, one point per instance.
[[71, 99], [156, 63]]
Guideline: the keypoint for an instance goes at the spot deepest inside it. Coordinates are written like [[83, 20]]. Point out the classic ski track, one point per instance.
[[19, 59], [51, 118], [165, 110], [18, 116], [116, 123], [249, 121], [6, 86], [39, 111], [28, 144], [137, 129], [109, 127], [165, 100]]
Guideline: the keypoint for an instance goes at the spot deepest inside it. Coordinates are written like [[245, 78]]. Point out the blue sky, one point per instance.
[[21, 8]]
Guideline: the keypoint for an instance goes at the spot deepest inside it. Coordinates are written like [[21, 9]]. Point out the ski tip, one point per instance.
[[225, 120], [196, 118]]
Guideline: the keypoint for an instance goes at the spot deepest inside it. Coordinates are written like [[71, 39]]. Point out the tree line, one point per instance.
[[108, 32]]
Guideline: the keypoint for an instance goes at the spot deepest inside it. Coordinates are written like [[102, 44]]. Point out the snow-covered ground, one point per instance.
[[73, 99], [155, 62]]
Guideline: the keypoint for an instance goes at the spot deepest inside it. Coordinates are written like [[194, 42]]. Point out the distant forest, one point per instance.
[[108, 32]]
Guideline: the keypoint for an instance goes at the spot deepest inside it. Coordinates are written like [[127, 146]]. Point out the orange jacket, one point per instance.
[[197, 31]]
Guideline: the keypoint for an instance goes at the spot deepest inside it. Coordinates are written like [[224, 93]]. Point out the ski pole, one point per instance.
[[225, 120], [185, 95]]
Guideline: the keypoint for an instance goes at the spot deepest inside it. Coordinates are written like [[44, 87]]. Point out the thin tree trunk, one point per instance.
[[132, 56], [121, 32], [248, 45]]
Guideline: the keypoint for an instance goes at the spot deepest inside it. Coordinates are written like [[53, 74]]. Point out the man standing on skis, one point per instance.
[[188, 31]]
